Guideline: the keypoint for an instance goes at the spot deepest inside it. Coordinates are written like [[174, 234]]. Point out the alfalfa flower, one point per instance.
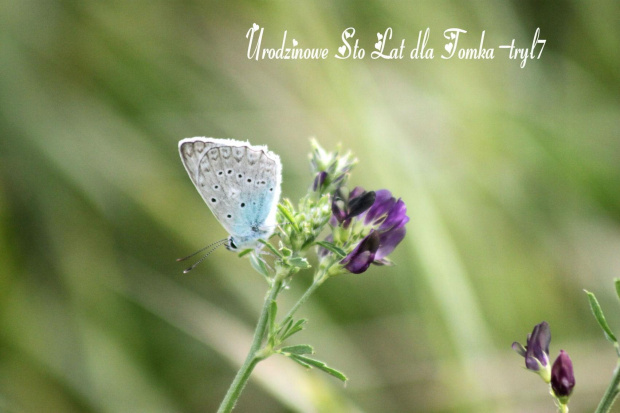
[[536, 352], [368, 225], [562, 377]]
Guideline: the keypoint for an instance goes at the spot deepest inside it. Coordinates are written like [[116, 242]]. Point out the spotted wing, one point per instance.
[[239, 182]]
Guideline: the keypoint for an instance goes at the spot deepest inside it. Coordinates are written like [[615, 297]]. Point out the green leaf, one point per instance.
[[306, 365], [245, 252], [271, 248], [303, 360], [298, 349], [273, 310], [617, 284], [299, 262], [296, 328], [600, 318], [332, 248], [287, 214], [259, 265], [285, 325]]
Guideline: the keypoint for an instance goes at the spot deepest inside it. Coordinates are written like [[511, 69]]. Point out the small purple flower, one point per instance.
[[536, 352], [363, 254], [562, 377], [319, 180], [388, 217], [345, 208]]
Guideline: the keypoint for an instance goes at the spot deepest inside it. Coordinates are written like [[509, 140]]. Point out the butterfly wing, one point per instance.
[[239, 182]]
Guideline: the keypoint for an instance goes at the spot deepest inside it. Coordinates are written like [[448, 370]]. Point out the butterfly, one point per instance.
[[239, 182]]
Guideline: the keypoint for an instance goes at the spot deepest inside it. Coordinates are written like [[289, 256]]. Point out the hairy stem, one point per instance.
[[252, 359], [611, 393], [316, 284]]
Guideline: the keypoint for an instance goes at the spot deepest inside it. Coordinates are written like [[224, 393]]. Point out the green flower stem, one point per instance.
[[316, 284], [252, 359], [611, 393]]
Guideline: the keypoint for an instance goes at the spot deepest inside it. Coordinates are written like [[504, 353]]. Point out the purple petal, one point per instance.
[[538, 343], [360, 204], [518, 347], [360, 262], [383, 203], [338, 210], [388, 241], [397, 216], [357, 191], [363, 254], [319, 180], [531, 363], [562, 376], [538, 346]]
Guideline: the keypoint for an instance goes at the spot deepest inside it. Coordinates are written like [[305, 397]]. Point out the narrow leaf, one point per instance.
[[271, 248], [297, 327], [245, 252], [259, 265], [299, 262], [285, 325], [600, 317], [617, 284], [273, 310], [287, 214], [320, 365], [306, 365], [332, 248], [298, 349]]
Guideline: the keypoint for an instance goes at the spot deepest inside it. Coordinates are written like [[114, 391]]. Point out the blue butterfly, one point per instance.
[[239, 182]]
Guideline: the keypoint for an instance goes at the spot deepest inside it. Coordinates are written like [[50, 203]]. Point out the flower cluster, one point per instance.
[[377, 217], [331, 169], [536, 353], [365, 226]]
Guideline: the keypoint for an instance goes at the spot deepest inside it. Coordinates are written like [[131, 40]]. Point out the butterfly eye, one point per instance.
[[231, 244]]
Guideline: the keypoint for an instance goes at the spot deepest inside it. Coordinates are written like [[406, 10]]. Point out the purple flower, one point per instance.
[[387, 216], [344, 208], [363, 254], [319, 180], [536, 352], [562, 377]]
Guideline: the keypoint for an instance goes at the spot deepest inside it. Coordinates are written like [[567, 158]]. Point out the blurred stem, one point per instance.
[[253, 357], [611, 393], [315, 284]]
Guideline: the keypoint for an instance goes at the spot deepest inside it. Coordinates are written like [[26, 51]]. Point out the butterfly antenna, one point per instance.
[[217, 243]]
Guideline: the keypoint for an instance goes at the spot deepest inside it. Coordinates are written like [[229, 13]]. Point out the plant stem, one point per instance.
[[252, 359], [315, 284], [611, 393]]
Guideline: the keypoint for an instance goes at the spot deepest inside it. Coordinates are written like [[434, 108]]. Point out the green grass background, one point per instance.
[[511, 178]]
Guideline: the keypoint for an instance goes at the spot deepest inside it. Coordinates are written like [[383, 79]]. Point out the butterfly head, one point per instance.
[[238, 243], [231, 245]]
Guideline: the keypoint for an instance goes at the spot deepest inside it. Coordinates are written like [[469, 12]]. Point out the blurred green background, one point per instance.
[[511, 178]]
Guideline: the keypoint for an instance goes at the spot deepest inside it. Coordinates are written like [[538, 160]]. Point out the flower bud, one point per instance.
[[562, 377]]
